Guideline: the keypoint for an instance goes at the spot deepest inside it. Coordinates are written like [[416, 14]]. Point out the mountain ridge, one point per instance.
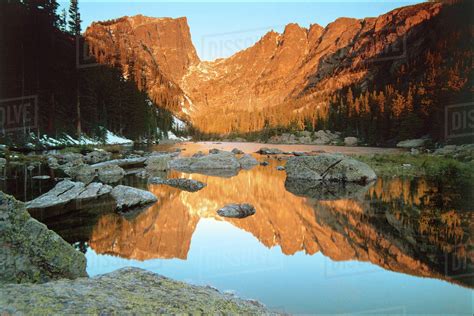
[[292, 74]]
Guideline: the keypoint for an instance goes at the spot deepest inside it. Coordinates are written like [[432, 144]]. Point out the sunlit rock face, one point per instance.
[[395, 225], [292, 71]]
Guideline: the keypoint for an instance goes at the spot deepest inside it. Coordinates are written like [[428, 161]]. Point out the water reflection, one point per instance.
[[393, 225]]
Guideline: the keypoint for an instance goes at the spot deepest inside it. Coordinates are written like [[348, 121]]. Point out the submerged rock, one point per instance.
[[30, 252], [247, 161], [189, 185], [128, 197], [236, 210], [326, 190], [280, 168], [330, 167], [128, 290]]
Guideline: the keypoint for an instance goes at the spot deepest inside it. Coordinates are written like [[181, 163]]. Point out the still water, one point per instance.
[[401, 247]]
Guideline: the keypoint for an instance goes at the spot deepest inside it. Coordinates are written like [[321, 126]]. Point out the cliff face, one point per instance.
[[155, 52], [294, 71]]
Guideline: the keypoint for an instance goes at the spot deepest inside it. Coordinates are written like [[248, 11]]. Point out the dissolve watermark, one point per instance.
[[19, 113], [459, 120], [83, 57]]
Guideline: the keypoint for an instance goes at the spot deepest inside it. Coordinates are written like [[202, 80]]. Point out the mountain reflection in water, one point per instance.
[[393, 225]]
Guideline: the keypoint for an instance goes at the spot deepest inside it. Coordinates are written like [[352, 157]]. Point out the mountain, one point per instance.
[[302, 75]]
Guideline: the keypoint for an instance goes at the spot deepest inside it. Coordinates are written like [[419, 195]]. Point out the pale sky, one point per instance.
[[219, 29]]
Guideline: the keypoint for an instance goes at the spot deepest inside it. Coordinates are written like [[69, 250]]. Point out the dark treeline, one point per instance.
[[38, 57]]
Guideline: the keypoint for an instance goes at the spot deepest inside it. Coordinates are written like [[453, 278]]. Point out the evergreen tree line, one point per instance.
[[38, 57]]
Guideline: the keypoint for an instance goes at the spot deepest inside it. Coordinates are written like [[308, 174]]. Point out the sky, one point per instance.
[[220, 29]]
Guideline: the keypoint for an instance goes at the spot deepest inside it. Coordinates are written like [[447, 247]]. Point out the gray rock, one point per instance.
[[214, 151], [330, 167], [237, 151], [236, 210], [66, 192], [128, 197], [94, 190], [53, 163], [157, 163], [221, 160], [97, 156], [30, 252], [351, 141], [269, 151], [111, 174], [247, 161], [124, 163], [412, 143], [189, 185], [280, 168], [264, 163], [125, 291], [81, 172], [326, 190]]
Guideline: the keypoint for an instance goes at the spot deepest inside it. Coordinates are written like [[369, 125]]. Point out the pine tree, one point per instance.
[[74, 22], [62, 21]]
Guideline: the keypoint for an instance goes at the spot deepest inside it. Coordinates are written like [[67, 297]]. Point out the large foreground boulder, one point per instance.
[[125, 291], [329, 167], [30, 252]]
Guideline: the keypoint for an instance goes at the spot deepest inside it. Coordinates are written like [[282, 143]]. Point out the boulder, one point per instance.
[[97, 156], [214, 151], [199, 154], [236, 210], [330, 167], [221, 160], [111, 174], [280, 168], [124, 291], [81, 172], [269, 151], [189, 185], [327, 190], [157, 163], [30, 252], [237, 151], [351, 141], [128, 197], [412, 143], [66, 192], [247, 161]]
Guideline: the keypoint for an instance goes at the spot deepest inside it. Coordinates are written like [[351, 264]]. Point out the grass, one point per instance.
[[423, 165]]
